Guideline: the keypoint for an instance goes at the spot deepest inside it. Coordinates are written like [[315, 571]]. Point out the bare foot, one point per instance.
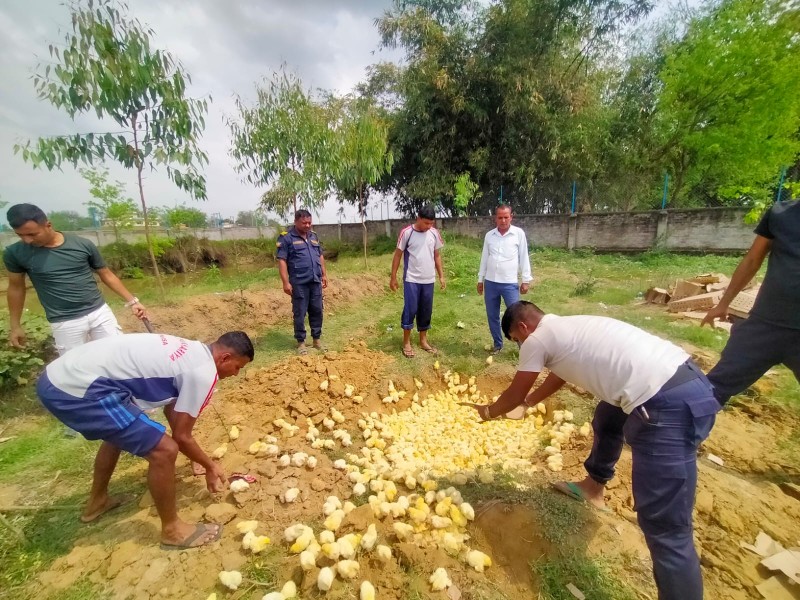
[[408, 351], [198, 469], [185, 535], [95, 510], [318, 345]]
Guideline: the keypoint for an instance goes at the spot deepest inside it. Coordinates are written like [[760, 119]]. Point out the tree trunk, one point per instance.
[[139, 167], [116, 232], [363, 222]]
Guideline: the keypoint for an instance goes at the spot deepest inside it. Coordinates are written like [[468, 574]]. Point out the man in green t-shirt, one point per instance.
[[61, 268]]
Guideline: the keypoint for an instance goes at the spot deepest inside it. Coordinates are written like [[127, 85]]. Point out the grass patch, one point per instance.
[[560, 517], [594, 578], [82, 589]]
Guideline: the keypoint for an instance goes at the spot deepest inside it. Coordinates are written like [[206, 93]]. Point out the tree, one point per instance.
[[107, 66], [513, 92], [729, 111], [283, 142], [183, 216], [109, 204], [69, 220], [362, 154], [465, 192]]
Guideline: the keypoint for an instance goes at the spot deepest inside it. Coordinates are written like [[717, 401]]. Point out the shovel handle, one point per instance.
[[148, 325]]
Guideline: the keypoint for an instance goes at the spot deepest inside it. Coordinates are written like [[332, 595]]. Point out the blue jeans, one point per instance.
[[492, 293], [664, 442]]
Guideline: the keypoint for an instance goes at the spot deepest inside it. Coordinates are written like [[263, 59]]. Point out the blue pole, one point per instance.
[[574, 189], [780, 185], [666, 188]]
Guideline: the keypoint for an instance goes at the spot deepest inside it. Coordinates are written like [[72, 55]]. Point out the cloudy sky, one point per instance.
[[226, 47]]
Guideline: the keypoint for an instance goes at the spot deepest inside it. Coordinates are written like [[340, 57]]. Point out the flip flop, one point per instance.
[[431, 350], [115, 502], [302, 351], [571, 490], [409, 353], [200, 530]]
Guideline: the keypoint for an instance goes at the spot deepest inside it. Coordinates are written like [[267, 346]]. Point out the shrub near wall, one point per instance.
[[187, 253]]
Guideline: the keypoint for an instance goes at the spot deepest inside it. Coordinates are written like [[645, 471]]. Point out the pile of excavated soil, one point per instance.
[[121, 552], [209, 315]]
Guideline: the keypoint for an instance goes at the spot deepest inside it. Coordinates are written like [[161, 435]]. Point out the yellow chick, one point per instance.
[[245, 526], [478, 560], [403, 531], [220, 452], [302, 542], [384, 553], [440, 522], [331, 551], [259, 544], [467, 510], [347, 549], [289, 590], [230, 579], [325, 579], [370, 537], [334, 521], [459, 520], [308, 560], [440, 580], [443, 508], [348, 569], [367, 591], [233, 434]]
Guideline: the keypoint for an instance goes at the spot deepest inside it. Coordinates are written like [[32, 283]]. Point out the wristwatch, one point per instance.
[[131, 302]]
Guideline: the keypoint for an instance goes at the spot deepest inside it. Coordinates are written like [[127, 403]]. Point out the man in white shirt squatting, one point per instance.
[[418, 245], [102, 390], [651, 395], [504, 259]]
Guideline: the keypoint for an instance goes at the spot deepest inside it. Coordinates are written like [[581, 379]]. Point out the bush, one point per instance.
[[18, 366]]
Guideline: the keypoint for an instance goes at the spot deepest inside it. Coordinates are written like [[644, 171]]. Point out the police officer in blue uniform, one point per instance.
[[302, 270]]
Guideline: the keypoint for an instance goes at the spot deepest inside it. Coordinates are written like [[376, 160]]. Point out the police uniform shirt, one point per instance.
[[302, 256]]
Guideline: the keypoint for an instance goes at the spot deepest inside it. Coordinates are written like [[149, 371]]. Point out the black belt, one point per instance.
[[686, 372]]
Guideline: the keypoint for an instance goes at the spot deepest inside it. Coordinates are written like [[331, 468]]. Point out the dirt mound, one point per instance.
[[208, 315], [121, 553]]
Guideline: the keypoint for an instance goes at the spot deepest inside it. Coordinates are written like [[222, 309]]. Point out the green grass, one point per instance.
[[591, 576]]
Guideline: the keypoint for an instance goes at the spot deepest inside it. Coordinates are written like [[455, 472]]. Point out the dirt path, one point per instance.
[[734, 502]]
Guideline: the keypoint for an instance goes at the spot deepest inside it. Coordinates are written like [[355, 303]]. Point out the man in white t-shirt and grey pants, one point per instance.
[[418, 246], [651, 395], [503, 261]]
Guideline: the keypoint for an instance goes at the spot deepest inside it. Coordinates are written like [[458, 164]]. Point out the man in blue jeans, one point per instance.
[[301, 266], [651, 395], [504, 260]]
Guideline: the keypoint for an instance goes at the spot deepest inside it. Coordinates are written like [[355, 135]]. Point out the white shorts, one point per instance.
[[99, 323]]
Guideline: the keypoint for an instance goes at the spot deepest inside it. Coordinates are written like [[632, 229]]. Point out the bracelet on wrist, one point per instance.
[[131, 302]]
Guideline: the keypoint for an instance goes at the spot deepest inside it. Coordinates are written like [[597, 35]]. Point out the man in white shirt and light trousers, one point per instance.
[[651, 395], [504, 259]]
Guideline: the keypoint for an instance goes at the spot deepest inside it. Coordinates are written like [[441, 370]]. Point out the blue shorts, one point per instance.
[[114, 418]]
